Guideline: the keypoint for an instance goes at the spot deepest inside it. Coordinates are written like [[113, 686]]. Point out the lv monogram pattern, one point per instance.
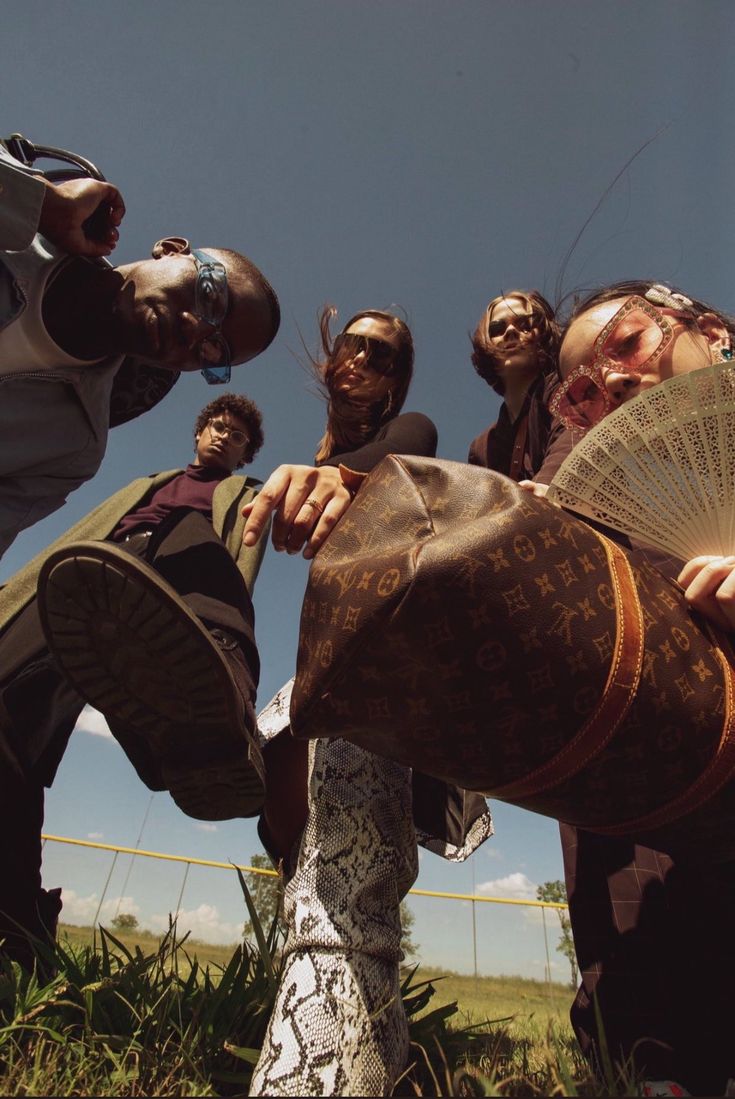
[[457, 624]]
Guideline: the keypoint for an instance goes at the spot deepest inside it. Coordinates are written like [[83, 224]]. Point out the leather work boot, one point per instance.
[[131, 647]]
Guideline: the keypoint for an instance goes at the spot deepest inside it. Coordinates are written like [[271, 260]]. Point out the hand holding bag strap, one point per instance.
[[719, 771], [618, 694]]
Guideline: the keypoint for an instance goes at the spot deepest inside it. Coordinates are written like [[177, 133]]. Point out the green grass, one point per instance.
[[205, 953], [509, 1036], [488, 998], [478, 1000], [136, 1015]]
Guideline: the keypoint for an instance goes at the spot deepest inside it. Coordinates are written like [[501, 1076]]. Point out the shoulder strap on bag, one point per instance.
[[617, 696]]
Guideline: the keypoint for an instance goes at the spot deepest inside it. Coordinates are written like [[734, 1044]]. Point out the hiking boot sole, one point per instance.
[[132, 649]]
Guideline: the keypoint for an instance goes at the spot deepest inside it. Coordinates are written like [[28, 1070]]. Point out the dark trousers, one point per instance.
[[38, 709], [655, 946]]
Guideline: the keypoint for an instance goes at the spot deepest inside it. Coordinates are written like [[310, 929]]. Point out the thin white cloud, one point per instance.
[[81, 910], [203, 922], [95, 835], [517, 886], [205, 826], [92, 721]]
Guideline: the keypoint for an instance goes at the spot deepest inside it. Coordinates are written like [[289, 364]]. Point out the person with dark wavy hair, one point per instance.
[[343, 823], [144, 610]]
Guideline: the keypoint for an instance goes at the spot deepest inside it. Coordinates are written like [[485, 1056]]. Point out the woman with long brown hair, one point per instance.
[[349, 856], [364, 372]]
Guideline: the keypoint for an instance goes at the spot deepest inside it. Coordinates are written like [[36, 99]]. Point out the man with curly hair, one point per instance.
[[142, 609]]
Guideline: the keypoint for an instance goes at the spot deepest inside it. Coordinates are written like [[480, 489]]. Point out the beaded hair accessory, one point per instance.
[[658, 294]]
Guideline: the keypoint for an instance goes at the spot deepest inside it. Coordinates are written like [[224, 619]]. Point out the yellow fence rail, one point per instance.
[[190, 861]]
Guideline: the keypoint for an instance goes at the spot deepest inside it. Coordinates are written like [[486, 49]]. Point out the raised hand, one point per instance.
[[81, 216]]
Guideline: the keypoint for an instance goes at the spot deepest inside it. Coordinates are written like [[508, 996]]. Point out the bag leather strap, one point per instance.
[[717, 772], [617, 696]]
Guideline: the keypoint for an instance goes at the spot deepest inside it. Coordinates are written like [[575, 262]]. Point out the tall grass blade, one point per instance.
[[265, 954], [602, 1048]]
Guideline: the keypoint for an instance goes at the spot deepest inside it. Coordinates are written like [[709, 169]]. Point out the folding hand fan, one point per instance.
[[661, 468]]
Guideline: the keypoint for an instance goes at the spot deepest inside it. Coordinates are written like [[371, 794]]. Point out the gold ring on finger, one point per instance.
[[312, 503]]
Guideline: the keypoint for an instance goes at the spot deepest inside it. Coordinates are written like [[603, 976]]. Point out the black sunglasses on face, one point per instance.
[[522, 322], [380, 354]]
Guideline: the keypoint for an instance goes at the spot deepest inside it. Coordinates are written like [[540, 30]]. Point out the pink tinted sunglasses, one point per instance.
[[637, 334]]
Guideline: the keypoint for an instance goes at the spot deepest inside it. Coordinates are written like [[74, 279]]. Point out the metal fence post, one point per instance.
[[104, 891], [181, 891], [546, 944]]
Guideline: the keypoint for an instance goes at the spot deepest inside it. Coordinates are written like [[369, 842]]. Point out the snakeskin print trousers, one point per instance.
[[338, 1025]]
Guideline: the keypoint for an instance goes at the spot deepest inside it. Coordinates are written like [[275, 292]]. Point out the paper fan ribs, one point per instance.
[[661, 468]]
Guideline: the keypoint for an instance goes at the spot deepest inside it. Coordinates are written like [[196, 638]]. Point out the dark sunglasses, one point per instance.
[[210, 305], [522, 322], [380, 354]]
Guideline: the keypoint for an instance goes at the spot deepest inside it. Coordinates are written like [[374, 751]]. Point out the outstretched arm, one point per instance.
[[709, 587]]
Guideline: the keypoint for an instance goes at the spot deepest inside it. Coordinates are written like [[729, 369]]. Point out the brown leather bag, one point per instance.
[[457, 624]]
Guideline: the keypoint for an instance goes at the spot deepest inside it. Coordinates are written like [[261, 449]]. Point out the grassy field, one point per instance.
[[131, 1015], [205, 953], [490, 999], [479, 1000]]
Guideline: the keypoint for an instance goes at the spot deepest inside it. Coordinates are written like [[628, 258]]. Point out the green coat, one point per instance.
[[229, 497]]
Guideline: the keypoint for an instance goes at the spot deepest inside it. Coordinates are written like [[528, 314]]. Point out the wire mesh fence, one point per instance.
[[466, 932]]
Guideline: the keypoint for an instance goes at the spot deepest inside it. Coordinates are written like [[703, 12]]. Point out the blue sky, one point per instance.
[[418, 153]]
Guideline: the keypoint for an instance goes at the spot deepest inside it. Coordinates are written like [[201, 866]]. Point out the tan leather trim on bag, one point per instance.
[[620, 688], [717, 772]]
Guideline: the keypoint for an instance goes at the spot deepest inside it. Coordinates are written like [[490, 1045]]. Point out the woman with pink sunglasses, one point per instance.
[[628, 338], [652, 933], [625, 339]]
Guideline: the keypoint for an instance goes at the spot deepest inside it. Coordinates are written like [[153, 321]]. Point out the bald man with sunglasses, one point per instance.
[[81, 341]]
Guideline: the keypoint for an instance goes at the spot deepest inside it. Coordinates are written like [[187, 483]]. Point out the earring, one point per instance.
[[388, 403], [724, 354]]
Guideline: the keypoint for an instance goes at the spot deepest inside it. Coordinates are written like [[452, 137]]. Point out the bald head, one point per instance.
[[155, 307], [253, 315]]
